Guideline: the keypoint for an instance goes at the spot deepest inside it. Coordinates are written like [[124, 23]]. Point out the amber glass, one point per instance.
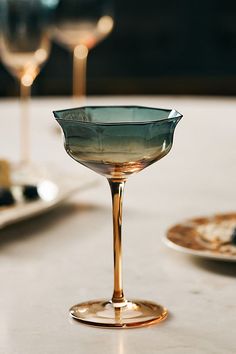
[[117, 142], [79, 26], [24, 48]]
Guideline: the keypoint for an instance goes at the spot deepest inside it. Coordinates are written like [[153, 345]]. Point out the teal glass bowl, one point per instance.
[[116, 141]]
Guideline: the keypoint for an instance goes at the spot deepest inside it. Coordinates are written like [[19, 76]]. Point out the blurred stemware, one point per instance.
[[79, 26], [24, 48]]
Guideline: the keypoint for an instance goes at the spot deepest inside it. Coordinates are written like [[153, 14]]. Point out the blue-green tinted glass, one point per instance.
[[117, 141], [116, 114]]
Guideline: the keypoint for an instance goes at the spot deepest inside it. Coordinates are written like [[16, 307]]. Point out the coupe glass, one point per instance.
[[79, 26], [24, 48], [117, 142]]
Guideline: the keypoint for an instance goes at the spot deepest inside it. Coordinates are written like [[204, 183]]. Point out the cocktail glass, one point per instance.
[[79, 26], [116, 142], [24, 48]]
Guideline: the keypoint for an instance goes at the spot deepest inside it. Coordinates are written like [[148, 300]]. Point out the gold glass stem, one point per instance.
[[80, 56], [117, 189], [25, 92]]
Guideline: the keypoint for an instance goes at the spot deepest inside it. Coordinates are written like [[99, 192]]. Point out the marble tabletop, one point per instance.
[[64, 257]]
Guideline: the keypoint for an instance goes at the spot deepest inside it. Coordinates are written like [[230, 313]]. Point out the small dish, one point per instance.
[[207, 237], [52, 188]]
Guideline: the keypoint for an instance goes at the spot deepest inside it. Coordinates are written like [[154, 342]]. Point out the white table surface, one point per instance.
[[56, 260]]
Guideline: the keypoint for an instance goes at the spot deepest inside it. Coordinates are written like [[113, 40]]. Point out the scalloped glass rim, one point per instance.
[[62, 115]]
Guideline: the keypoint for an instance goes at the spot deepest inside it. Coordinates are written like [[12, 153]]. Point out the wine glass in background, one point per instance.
[[79, 26], [24, 48]]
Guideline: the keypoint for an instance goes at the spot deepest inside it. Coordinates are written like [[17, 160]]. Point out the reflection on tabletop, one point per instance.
[[227, 269]]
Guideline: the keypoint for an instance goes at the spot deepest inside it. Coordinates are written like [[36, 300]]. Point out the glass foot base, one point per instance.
[[103, 313]]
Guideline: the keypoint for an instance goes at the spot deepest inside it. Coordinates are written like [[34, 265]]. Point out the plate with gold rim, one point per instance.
[[208, 237]]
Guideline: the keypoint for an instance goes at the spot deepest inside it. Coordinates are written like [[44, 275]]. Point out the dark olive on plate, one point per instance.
[[233, 237], [6, 197], [30, 192]]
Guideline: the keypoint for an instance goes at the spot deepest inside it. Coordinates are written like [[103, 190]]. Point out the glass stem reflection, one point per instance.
[[25, 91], [117, 189], [80, 56]]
